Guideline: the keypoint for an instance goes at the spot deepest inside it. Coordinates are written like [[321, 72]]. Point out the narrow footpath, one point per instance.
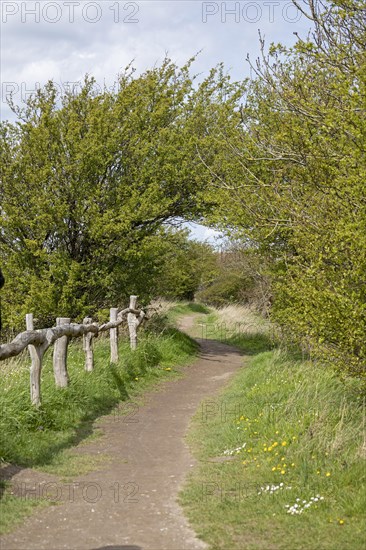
[[130, 503]]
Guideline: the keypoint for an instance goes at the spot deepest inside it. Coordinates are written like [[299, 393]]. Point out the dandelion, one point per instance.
[[136, 378], [293, 464], [274, 469], [168, 368], [283, 472], [284, 443], [327, 474], [341, 521]]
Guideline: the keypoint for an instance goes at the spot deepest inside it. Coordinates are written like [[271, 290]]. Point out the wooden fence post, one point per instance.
[[60, 356], [132, 323], [113, 312], [36, 366], [87, 346]]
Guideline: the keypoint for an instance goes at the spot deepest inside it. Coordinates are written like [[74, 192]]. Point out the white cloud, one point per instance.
[[65, 51]]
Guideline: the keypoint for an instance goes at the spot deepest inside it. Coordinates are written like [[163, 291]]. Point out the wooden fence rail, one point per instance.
[[38, 341]]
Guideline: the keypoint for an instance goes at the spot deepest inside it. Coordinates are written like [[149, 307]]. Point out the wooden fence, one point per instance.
[[38, 341]]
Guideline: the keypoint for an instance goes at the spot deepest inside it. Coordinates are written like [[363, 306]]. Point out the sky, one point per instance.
[[62, 40]]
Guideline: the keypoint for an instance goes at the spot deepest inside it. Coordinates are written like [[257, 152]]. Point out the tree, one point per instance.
[[241, 277], [293, 183], [187, 265], [89, 178]]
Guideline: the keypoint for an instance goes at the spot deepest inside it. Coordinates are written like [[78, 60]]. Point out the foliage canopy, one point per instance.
[[89, 180], [291, 179]]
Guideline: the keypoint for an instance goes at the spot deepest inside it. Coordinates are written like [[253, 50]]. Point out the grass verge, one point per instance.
[[281, 456]]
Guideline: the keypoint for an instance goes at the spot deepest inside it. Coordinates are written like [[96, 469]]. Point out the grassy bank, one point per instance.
[[281, 453], [43, 438]]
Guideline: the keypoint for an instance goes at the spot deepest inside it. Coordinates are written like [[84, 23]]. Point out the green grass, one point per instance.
[[302, 427], [186, 308], [212, 326], [43, 438], [14, 510]]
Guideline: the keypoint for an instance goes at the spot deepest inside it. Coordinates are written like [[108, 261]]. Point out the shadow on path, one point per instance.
[[128, 547]]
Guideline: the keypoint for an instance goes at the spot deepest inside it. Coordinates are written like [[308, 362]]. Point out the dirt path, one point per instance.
[[130, 503]]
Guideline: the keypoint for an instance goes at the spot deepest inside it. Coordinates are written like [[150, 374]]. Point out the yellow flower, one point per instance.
[[283, 472], [318, 472], [277, 432], [265, 448], [257, 465], [293, 464], [284, 443], [294, 437], [274, 444], [341, 521], [270, 448], [283, 458], [242, 418], [327, 474], [274, 468], [168, 368], [276, 454]]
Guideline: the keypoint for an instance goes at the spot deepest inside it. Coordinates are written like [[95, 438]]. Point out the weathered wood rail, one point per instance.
[[38, 341]]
